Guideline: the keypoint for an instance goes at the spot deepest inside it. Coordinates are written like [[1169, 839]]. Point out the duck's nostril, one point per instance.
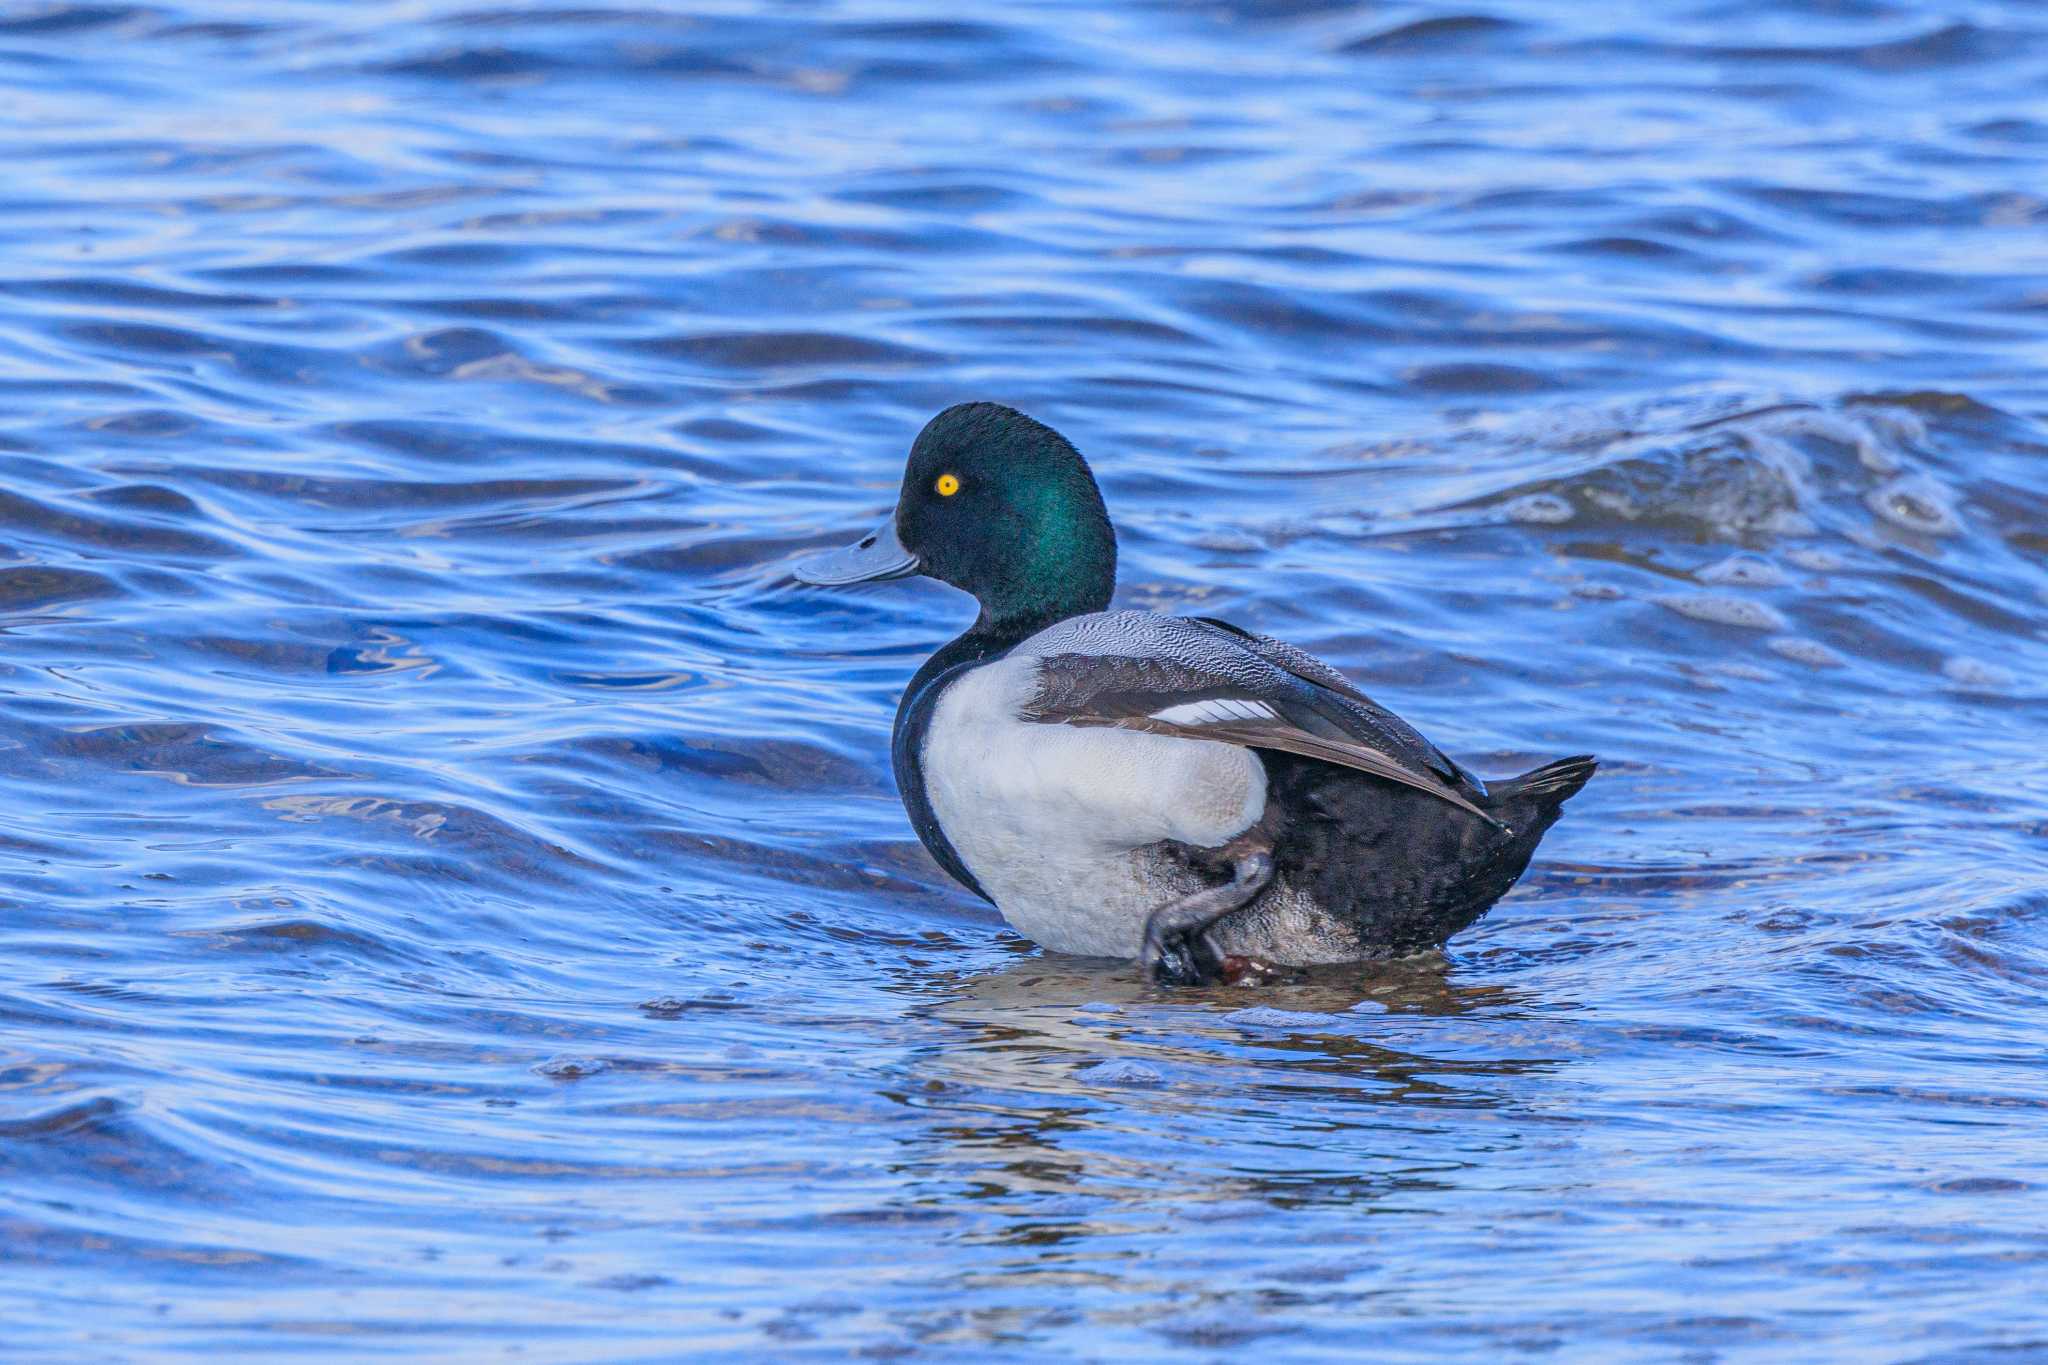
[[867, 544]]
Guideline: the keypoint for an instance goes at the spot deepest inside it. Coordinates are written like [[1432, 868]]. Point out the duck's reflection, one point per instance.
[[1069, 1092]]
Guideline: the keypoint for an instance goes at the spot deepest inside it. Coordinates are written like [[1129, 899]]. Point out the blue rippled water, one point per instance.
[[452, 898]]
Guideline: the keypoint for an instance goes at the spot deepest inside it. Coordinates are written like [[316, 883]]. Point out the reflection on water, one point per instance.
[[452, 899]]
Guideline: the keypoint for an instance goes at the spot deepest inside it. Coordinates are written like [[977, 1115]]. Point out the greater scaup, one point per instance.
[[1170, 788]]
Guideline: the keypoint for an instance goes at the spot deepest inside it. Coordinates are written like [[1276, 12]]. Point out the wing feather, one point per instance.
[[1310, 669], [1290, 739], [1195, 679]]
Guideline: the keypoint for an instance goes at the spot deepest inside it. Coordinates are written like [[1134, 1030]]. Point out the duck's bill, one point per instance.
[[874, 557]]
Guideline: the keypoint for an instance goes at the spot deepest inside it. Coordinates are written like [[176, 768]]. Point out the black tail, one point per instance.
[[1551, 785], [1401, 868]]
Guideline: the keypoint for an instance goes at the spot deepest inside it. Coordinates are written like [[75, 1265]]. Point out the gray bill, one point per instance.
[[875, 556]]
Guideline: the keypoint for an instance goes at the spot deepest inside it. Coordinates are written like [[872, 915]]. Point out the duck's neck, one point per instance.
[[990, 637], [1072, 576], [1024, 606], [1061, 562]]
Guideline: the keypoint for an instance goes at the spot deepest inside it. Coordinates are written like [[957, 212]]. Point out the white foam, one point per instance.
[[1722, 610]]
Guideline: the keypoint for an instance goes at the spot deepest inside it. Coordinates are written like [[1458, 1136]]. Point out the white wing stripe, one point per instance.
[[1215, 712]]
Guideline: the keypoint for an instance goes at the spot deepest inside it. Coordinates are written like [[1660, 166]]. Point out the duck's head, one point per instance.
[[1000, 506]]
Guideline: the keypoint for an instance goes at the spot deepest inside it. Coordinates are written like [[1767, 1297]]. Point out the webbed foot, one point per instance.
[[1238, 970], [1175, 952]]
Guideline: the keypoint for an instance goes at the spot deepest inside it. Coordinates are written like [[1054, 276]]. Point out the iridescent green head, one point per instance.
[[1000, 506]]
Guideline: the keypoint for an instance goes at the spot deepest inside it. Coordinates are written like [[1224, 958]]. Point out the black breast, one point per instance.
[[906, 754]]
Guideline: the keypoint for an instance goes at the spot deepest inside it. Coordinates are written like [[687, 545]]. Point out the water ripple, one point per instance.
[[444, 855]]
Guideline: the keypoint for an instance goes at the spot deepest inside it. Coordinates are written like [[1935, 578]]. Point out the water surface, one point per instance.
[[452, 898]]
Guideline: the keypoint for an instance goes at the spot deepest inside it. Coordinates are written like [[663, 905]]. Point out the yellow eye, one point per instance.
[[947, 485]]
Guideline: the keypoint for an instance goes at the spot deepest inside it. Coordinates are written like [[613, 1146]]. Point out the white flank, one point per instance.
[[1049, 818]]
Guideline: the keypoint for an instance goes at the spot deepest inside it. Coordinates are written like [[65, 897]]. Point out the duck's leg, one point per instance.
[[1173, 954]]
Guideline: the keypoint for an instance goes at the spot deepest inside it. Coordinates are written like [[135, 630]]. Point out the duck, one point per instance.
[[1206, 801]]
